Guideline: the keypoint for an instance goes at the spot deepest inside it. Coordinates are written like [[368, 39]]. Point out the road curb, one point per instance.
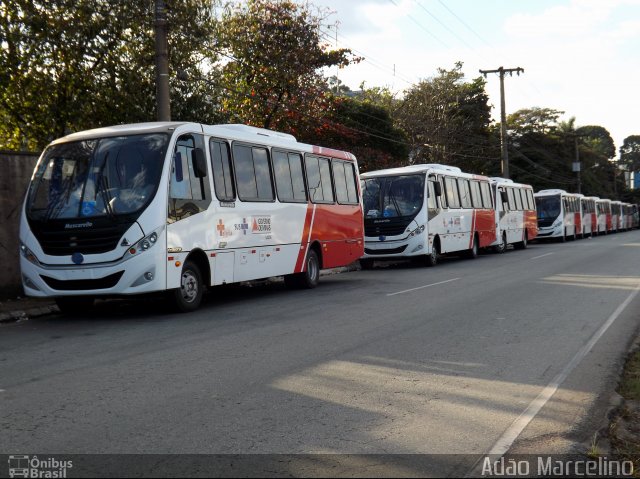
[[23, 315]]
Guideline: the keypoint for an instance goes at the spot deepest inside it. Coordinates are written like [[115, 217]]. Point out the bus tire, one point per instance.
[[366, 263], [502, 247], [309, 278], [433, 258], [74, 305], [188, 296], [522, 244], [473, 252]]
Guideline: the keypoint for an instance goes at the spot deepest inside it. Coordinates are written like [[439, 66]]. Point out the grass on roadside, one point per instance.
[[624, 430]]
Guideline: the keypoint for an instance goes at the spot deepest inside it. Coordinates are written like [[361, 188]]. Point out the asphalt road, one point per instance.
[[402, 359]]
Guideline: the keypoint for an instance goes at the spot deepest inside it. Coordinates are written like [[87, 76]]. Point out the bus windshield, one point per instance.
[[97, 177], [393, 196], [548, 207]]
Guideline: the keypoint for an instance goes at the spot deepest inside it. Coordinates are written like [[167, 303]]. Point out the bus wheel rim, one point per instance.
[[189, 286]]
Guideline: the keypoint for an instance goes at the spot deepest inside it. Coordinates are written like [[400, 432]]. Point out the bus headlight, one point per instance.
[[144, 244], [417, 231], [28, 254]]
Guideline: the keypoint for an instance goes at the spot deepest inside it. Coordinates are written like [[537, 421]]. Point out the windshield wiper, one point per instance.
[[106, 196]]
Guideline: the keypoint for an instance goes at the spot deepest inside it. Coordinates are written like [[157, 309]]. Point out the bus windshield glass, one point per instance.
[[393, 196], [97, 177], [548, 207]]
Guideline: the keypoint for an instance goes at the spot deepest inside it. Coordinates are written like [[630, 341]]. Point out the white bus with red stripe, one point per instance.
[[589, 215], [617, 216], [516, 220], [423, 211], [603, 207], [559, 214], [180, 206]]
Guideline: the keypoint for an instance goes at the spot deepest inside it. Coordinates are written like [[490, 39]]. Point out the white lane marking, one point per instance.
[[422, 287], [542, 256], [507, 439]]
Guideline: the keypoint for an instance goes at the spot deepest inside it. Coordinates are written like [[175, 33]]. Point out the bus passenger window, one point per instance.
[[221, 166]]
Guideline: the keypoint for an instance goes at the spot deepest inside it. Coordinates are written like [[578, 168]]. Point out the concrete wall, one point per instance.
[[15, 173]]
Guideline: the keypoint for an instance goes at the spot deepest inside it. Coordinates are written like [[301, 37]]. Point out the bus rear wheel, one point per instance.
[[473, 252], [310, 277], [188, 296], [74, 305]]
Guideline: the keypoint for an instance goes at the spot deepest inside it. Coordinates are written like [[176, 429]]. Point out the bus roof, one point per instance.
[[236, 132], [506, 181], [421, 168]]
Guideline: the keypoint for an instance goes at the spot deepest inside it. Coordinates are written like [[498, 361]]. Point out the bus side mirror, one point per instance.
[[437, 187], [199, 163], [503, 196]]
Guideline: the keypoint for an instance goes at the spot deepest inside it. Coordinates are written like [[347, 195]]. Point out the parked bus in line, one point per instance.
[[603, 207], [635, 216], [516, 218], [616, 216], [177, 206], [589, 215], [558, 214], [423, 211]]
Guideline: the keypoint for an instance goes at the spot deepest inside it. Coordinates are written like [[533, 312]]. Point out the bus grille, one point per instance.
[[397, 250], [86, 241], [393, 227], [545, 222], [83, 284]]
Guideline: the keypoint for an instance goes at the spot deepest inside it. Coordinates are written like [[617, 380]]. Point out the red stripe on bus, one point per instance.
[[304, 239]]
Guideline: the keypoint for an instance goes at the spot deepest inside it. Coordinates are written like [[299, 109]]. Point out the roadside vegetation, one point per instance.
[[624, 430], [70, 65]]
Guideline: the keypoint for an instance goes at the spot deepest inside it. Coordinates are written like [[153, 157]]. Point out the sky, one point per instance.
[[579, 56]]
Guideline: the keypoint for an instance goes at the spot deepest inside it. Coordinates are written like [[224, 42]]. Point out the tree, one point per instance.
[[447, 121], [68, 65], [630, 152], [535, 119], [272, 58]]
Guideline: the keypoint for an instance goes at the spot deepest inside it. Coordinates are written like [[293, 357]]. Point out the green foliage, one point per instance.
[[542, 152], [364, 129], [630, 152], [272, 57], [447, 121], [67, 65], [535, 119]]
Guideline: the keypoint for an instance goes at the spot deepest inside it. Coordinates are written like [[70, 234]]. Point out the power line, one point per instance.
[[422, 27]]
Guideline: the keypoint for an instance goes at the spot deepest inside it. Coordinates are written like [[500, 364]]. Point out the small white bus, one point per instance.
[[176, 206], [423, 211], [515, 214]]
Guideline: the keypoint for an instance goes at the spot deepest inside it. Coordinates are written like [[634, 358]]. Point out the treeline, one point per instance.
[[69, 65]]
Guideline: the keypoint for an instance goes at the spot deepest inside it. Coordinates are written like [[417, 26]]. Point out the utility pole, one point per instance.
[[503, 116], [162, 62], [577, 167]]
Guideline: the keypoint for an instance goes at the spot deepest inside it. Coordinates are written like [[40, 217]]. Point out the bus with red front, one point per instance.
[[617, 216], [424, 211], [516, 217], [177, 207]]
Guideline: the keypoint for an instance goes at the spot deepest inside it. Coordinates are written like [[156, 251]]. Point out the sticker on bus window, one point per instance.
[[88, 208]]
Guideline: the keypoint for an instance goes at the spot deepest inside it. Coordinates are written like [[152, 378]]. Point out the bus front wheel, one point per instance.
[[433, 257], [188, 296]]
